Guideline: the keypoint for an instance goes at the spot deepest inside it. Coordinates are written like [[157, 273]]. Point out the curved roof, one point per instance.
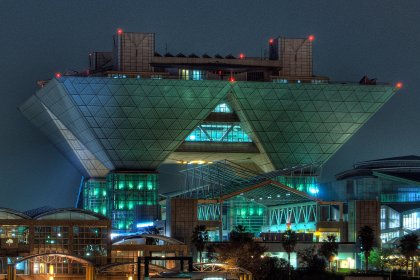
[[69, 214], [8, 214], [124, 239], [64, 255]]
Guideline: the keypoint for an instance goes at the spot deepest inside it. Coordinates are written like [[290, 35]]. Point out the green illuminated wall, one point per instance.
[[239, 211], [95, 196], [128, 190], [308, 184]]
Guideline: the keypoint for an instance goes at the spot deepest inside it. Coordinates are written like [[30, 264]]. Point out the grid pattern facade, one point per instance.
[[135, 124], [128, 191], [240, 211], [49, 239], [303, 123], [95, 196]]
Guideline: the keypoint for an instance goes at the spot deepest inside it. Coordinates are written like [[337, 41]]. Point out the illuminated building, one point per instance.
[[136, 109], [49, 242], [394, 183], [75, 233]]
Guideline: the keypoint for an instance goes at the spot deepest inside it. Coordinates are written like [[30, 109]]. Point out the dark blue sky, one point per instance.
[[353, 38]]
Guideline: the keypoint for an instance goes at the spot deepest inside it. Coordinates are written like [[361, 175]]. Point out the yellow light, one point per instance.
[[51, 277], [130, 277], [51, 269], [317, 233]]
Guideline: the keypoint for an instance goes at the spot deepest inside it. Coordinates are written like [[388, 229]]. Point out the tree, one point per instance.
[[329, 249], [310, 260], [240, 235], [289, 242], [379, 258], [408, 246], [366, 239], [243, 251], [199, 238]]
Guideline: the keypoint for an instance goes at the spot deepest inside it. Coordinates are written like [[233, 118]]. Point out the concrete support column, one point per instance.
[[90, 272], [221, 221], [11, 272]]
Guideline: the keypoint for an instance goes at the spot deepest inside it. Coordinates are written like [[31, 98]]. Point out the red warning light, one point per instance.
[[399, 85], [311, 38], [120, 31], [241, 56], [232, 79], [271, 41], [58, 75]]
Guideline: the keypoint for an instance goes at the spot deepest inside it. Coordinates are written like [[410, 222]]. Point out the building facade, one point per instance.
[[392, 183], [136, 109]]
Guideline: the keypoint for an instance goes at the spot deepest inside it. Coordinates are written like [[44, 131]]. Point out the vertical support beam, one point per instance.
[[190, 264], [221, 221], [341, 211], [11, 272], [90, 272], [138, 268], [146, 268], [181, 269]]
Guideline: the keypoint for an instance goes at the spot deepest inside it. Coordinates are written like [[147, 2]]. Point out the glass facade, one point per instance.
[[240, 211], [195, 75], [308, 184], [219, 132], [222, 108], [95, 196], [412, 220], [128, 190]]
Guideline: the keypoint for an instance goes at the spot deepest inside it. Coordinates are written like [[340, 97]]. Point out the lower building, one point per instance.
[[73, 233], [391, 183], [56, 242]]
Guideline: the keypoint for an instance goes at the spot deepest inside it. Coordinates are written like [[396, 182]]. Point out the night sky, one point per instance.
[[380, 38]]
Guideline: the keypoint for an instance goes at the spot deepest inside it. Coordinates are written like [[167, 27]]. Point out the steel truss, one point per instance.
[[296, 214], [209, 212]]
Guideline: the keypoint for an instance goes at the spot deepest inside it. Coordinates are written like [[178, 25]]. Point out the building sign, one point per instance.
[[9, 243]]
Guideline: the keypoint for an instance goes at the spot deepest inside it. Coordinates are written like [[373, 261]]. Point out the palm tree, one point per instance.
[[289, 242], [367, 241], [329, 249], [408, 247], [199, 238]]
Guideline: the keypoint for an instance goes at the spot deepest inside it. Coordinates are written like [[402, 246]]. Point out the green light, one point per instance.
[[140, 186], [121, 185], [121, 205], [103, 193], [260, 211], [95, 192], [130, 205], [130, 185], [251, 211], [150, 185]]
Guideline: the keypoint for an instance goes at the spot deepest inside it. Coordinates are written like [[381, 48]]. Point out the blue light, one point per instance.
[[313, 190], [143, 225]]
